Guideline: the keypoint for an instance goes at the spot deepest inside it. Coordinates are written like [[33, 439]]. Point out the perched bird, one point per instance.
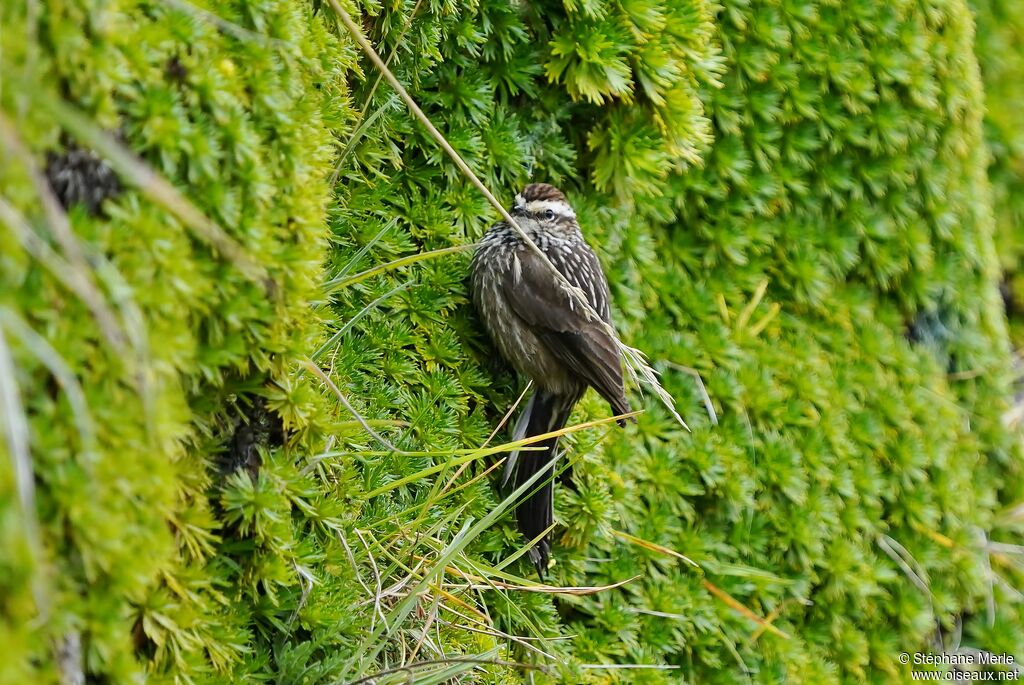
[[544, 332]]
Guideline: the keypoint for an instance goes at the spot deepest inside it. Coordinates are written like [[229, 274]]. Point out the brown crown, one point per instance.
[[542, 191]]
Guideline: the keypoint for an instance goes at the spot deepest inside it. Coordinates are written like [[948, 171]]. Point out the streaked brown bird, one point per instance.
[[546, 335]]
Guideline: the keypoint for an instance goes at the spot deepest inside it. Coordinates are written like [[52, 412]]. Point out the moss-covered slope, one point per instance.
[[248, 434]]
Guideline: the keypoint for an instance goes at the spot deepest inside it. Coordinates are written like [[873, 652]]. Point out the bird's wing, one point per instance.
[[583, 345]]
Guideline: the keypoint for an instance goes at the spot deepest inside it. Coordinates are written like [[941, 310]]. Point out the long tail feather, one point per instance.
[[544, 413]]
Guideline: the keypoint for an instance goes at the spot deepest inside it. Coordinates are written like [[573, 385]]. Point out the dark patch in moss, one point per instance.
[[80, 176], [1010, 303], [256, 427], [933, 329], [175, 70], [143, 645], [929, 328]]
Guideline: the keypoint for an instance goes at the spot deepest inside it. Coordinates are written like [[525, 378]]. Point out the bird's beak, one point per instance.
[[518, 210]]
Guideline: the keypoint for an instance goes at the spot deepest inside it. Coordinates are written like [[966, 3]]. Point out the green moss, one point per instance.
[[790, 199], [129, 529], [1000, 31]]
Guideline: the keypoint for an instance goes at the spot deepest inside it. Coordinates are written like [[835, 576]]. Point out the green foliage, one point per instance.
[[1000, 33], [147, 552], [277, 477]]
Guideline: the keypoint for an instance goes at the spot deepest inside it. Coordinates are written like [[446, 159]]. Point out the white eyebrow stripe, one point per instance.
[[557, 206], [520, 200]]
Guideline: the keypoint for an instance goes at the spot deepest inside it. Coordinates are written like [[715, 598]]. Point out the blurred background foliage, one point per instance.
[[1000, 34], [243, 394]]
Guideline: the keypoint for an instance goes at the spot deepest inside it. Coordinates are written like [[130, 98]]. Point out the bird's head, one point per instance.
[[543, 207]]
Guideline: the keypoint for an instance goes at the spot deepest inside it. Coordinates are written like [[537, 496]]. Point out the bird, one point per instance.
[[540, 327]]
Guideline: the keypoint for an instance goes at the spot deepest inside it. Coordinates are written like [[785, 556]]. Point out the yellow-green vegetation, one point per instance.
[[249, 416], [1000, 35]]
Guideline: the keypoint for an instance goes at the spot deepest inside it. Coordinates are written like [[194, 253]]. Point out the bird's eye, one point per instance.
[[549, 214]]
